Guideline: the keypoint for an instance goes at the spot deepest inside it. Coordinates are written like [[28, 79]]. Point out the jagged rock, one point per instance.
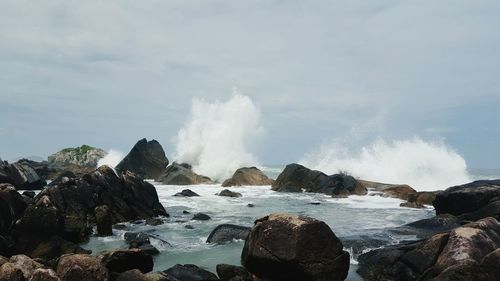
[[229, 193], [182, 174], [123, 260], [190, 272], [229, 272], [146, 159], [81, 268], [289, 247], [29, 194], [247, 176], [84, 156], [103, 221], [225, 233], [187, 193], [136, 239], [201, 217], [297, 178], [20, 175], [467, 198]]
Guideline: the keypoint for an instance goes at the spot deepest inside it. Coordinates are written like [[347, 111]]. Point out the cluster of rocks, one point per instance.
[[414, 199]]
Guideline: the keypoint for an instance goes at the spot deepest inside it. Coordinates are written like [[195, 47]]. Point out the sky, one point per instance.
[[108, 73]]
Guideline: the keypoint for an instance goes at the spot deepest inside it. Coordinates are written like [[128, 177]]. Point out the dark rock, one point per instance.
[[12, 206], [20, 175], [186, 212], [288, 247], [187, 193], [154, 221], [412, 205], [50, 248], [123, 260], [81, 268], [180, 174], [201, 217], [229, 193], [467, 198], [427, 227], [30, 194], [423, 197], [229, 272], [149, 249], [490, 210], [146, 159], [187, 226], [250, 205], [247, 176], [136, 239], [132, 275], [297, 178], [103, 221], [401, 191], [160, 276], [42, 169], [314, 203], [190, 272], [120, 226], [225, 233]]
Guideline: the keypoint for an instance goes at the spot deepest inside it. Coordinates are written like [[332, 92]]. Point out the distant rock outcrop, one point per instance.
[[248, 176], [182, 174], [84, 156], [146, 159], [297, 178]]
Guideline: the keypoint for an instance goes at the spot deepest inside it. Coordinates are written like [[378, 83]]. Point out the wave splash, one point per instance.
[[112, 158], [423, 165], [216, 137]]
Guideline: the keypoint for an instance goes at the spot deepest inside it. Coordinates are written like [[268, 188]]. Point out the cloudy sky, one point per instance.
[[108, 73]]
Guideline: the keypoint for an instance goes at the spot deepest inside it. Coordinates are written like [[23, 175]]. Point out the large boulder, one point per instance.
[[458, 200], [146, 159], [10, 272], [225, 233], [190, 272], [84, 156], [12, 206], [21, 175], [443, 256], [81, 268], [248, 176], [182, 174], [289, 247], [297, 178], [123, 260], [25, 264], [43, 274]]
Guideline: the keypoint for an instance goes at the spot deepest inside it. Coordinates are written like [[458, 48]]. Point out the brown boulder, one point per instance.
[[10, 272], [44, 275], [81, 268], [248, 176]]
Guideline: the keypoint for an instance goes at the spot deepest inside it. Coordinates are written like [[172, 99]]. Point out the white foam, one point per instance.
[[216, 137], [112, 158], [421, 164]]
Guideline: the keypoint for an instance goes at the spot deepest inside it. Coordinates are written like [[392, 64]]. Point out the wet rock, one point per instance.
[[136, 239], [225, 233], [247, 176], [297, 178], [154, 221], [401, 191], [412, 205], [228, 272], [160, 276], [187, 193], [146, 159], [81, 268], [250, 205], [190, 272], [229, 193], [124, 260], [186, 212], [201, 217], [149, 249], [187, 226], [182, 174], [427, 227], [103, 221], [289, 247], [119, 226]]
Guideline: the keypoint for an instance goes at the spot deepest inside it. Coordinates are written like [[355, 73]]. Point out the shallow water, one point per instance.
[[350, 217]]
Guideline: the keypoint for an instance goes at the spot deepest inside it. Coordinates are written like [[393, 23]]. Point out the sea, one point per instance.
[[349, 218]]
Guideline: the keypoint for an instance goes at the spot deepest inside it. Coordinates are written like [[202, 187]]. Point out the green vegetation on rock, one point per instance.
[[79, 150]]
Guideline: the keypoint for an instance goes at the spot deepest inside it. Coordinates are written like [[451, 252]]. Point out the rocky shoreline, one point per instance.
[[40, 236]]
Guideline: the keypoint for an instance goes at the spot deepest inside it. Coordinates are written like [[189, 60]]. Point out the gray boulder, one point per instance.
[[225, 233], [182, 174], [146, 159]]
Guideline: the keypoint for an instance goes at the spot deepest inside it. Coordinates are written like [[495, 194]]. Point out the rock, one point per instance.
[[44, 275], [123, 260], [25, 264], [201, 217], [186, 212], [12, 206], [103, 221], [20, 175], [160, 276], [154, 221], [289, 247], [50, 248], [30, 194], [187, 226], [401, 191], [490, 210], [228, 272], [132, 275], [419, 199], [42, 168], [10, 272], [136, 239], [467, 198], [3, 260], [250, 205], [149, 249], [190, 272], [187, 193], [225, 233], [427, 227], [412, 205], [81, 268], [146, 159], [120, 226], [182, 174], [297, 178], [229, 193], [489, 269], [84, 156], [444, 256], [247, 176]]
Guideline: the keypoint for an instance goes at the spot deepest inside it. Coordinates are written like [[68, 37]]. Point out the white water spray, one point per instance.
[[423, 165], [216, 137], [112, 158]]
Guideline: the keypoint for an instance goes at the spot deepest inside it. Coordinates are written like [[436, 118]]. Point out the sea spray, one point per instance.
[[216, 137], [112, 158], [421, 164]]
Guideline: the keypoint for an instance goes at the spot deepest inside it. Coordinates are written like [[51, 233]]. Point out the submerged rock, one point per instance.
[[289, 247], [247, 176], [225, 233], [190, 272], [201, 217], [187, 193], [297, 178], [182, 174], [229, 193], [103, 221], [146, 159]]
